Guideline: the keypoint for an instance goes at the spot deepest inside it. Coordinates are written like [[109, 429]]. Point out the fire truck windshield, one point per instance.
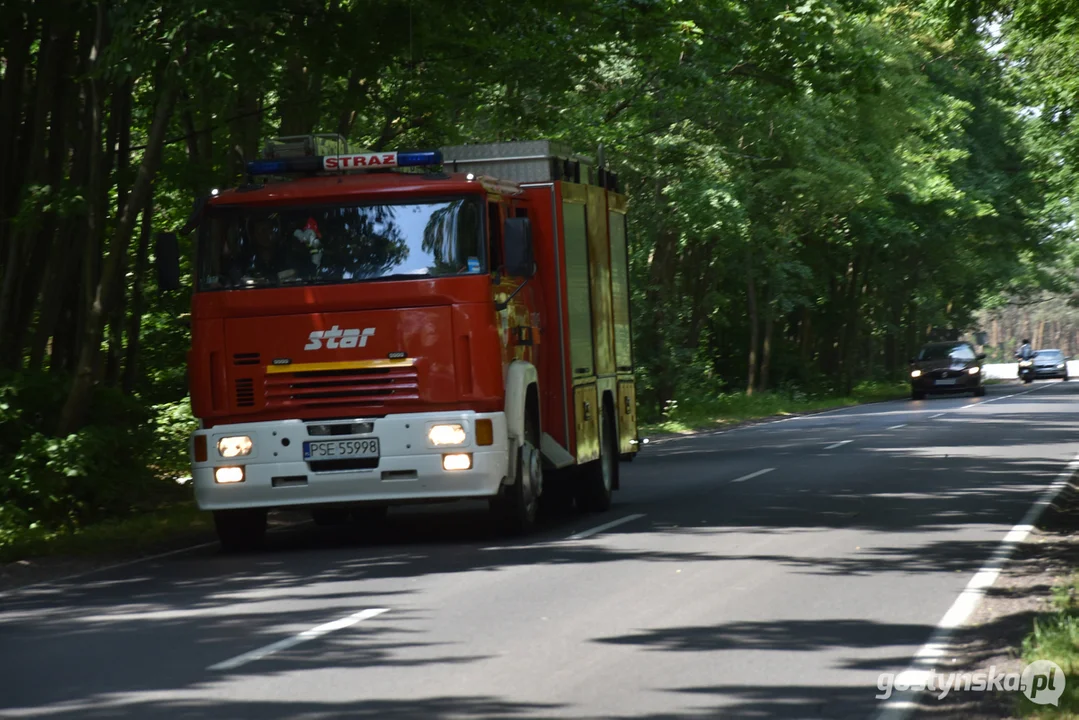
[[257, 247]]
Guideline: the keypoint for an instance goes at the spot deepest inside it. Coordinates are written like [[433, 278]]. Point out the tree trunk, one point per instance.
[[42, 242], [122, 109], [19, 269], [22, 34], [134, 322], [78, 402], [244, 132], [766, 350], [754, 326]]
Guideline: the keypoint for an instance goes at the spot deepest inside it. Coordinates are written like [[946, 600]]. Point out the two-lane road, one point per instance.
[[768, 571]]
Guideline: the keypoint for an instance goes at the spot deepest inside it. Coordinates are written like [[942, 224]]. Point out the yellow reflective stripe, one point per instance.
[[343, 365]]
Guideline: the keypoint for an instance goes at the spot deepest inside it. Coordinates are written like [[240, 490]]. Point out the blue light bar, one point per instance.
[[352, 161], [265, 167], [419, 158]]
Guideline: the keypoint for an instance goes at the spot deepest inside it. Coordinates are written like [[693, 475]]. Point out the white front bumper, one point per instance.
[[408, 469]]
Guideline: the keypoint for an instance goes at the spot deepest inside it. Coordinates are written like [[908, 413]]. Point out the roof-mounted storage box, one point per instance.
[[523, 161]]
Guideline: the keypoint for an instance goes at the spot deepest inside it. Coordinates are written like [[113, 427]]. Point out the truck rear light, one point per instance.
[[231, 474], [201, 454], [457, 461], [485, 433]]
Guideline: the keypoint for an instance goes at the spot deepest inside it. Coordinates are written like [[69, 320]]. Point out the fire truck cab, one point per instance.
[[375, 329]]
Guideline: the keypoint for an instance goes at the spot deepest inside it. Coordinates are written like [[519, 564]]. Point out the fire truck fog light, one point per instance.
[[485, 432], [446, 435], [229, 474], [460, 461], [231, 447]]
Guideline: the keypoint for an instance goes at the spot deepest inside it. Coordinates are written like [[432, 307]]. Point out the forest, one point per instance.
[[816, 186]]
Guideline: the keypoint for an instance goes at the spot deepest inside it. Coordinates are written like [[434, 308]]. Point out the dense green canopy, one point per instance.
[[815, 184]]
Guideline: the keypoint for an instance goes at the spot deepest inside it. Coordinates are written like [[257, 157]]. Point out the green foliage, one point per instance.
[[1056, 638], [703, 411], [814, 185], [123, 461]]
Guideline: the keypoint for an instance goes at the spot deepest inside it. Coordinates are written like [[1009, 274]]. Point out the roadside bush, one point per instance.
[[124, 460]]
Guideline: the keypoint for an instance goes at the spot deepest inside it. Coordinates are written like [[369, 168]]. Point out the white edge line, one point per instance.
[[833, 446], [1035, 388], [606, 526], [901, 705], [934, 417], [124, 564], [753, 475], [315, 632], [896, 427]]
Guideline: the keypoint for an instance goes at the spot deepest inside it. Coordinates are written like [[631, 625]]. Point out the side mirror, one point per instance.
[[981, 356], [520, 260], [913, 360], [167, 255]]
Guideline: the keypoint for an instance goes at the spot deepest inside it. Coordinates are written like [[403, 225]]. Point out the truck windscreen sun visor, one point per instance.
[[244, 247]]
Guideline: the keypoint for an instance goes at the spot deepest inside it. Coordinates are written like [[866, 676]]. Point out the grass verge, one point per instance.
[[735, 408], [168, 526], [1056, 638]]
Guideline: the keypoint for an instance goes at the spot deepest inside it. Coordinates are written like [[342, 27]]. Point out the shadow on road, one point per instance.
[[154, 628]]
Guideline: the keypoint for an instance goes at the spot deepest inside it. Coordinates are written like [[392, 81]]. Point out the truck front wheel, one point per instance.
[[599, 477], [240, 530], [515, 505]]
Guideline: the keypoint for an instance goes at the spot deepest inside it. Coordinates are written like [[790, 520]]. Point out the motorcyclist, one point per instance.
[[1025, 351]]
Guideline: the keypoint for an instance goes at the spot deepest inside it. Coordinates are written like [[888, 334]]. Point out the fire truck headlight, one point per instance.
[[230, 447], [447, 434]]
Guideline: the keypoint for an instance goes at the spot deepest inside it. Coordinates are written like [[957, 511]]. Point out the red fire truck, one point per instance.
[[376, 329]]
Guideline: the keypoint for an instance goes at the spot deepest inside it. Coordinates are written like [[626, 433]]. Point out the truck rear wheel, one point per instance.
[[599, 477], [240, 530]]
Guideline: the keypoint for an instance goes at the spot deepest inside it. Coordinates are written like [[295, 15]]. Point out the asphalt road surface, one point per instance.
[[767, 572]]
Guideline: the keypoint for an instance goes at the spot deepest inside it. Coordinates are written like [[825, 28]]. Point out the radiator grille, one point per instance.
[[245, 392], [369, 387]]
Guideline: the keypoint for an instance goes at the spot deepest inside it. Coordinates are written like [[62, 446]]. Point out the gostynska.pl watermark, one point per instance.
[[1042, 681]]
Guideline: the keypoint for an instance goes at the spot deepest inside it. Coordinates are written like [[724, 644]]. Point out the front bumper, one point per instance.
[[964, 381], [407, 470], [1050, 372]]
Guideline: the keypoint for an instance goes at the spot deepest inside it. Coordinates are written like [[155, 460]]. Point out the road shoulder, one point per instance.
[[1022, 594]]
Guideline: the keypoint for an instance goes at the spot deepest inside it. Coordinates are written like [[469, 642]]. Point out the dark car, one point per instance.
[[946, 367], [1050, 364]]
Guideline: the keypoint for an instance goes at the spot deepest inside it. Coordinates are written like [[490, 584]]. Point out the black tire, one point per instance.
[[599, 477], [240, 530], [979, 391], [917, 395], [328, 517], [516, 506]]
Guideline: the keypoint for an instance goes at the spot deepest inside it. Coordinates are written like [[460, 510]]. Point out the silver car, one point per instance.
[[1050, 364]]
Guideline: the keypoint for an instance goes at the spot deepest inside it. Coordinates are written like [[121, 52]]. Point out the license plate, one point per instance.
[[950, 381], [340, 449]]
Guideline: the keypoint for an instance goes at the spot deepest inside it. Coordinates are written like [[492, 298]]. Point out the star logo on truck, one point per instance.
[[337, 338]]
